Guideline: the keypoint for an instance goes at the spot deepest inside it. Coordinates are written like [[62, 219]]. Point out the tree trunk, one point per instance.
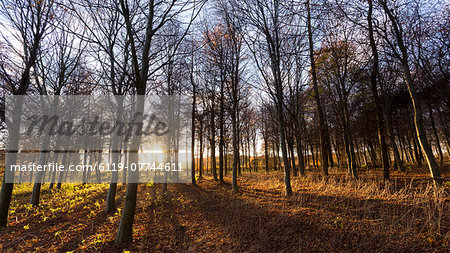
[[351, 147], [323, 128], [291, 151], [43, 156], [200, 169], [275, 160], [301, 164], [418, 119], [221, 131], [287, 177], [445, 130], [193, 131], [436, 136], [397, 160], [234, 125], [266, 152], [11, 158], [338, 156], [373, 85], [125, 230], [213, 140], [63, 162], [115, 153]]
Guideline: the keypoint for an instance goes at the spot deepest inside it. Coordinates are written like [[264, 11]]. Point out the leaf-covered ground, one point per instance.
[[338, 215]]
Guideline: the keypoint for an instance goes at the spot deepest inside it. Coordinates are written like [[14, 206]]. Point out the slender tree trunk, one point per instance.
[[351, 147], [61, 174], [266, 152], [403, 150], [373, 85], [275, 62], [287, 177], [418, 118], [415, 142], [445, 130], [53, 176], [312, 155], [213, 141], [323, 128], [417, 150], [200, 169], [406, 144], [225, 166], [436, 136], [34, 200], [347, 148], [338, 156], [125, 230], [115, 153], [221, 131], [291, 151], [234, 126], [249, 152], [11, 158], [364, 154], [275, 160], [242, 160], [255, 161], [301, 164], [329, 151], [397, 161], [194, 101], [305, 154]]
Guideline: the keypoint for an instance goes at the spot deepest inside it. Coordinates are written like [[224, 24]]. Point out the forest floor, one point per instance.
[[341, 215]]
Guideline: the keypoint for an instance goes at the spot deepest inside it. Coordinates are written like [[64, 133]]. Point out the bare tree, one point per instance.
[[324, 135], [374, 89], [269, 22], [55, 69], [401, 52], [27, 23], [155, 16]]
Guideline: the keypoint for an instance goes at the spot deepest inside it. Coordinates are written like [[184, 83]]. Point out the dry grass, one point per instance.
[[408, 205], [341, 215]]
